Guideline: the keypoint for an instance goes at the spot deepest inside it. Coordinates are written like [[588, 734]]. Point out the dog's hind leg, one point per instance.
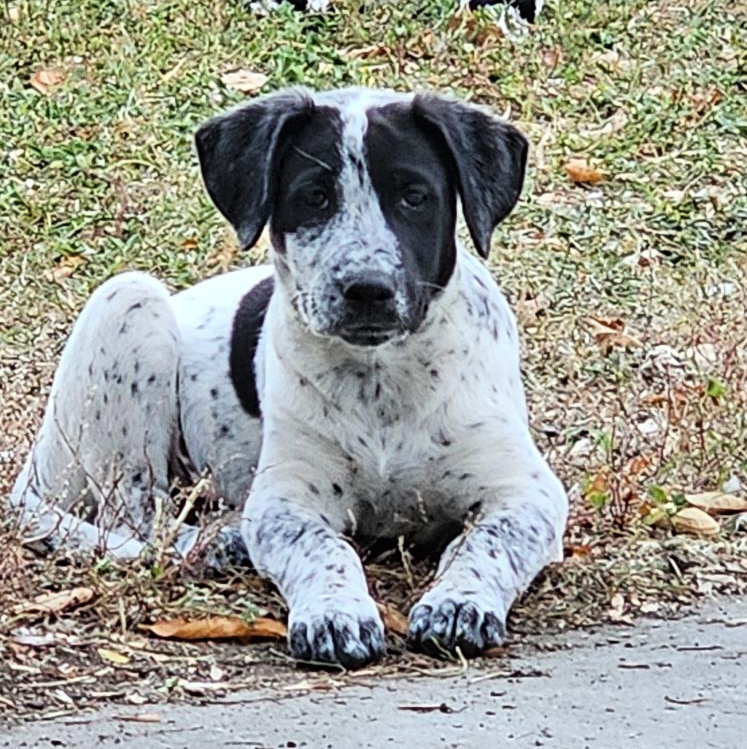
[[99, 463]]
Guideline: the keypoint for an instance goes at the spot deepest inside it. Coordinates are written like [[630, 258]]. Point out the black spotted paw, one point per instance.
[[442, 623], [345, 632]]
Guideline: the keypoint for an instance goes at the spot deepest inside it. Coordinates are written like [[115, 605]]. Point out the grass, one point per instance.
[[99, 174]]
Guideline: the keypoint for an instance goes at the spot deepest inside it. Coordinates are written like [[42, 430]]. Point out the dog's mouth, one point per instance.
[[368, 335]]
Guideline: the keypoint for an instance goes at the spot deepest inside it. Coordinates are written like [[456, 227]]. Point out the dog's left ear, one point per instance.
[[490, 157], [236, 153]]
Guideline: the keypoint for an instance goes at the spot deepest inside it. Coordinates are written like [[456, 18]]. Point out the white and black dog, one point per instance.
[[524, 11], [370, 374]]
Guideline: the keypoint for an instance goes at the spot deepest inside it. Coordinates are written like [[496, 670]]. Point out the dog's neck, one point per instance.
[[407, 370]]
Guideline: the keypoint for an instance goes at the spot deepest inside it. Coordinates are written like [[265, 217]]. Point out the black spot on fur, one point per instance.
[[247, 326]]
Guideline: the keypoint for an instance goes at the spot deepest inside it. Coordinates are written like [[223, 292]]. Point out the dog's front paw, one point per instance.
[[346, 632], [444, 620]]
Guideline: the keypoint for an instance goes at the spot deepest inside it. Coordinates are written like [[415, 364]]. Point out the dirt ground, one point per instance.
[[659, 684]]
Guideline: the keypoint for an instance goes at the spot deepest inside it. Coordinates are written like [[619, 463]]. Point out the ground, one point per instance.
[[671, 684], [630, 284]]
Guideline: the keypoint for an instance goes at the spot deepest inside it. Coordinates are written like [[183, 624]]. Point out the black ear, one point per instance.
[[236, 154], [490, 157]]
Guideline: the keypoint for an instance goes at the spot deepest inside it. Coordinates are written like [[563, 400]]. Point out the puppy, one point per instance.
[[370, 373]]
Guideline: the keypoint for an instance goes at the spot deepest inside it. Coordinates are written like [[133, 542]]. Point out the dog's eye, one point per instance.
[[316, 198], [414, 197]]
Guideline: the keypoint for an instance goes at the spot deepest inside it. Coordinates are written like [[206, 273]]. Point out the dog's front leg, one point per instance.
[[294, 538], [516, 533]]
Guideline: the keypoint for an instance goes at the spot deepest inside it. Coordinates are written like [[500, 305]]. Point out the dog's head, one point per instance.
[[360, 188]]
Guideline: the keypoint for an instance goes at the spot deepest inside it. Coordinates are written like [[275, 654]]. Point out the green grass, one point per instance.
[[652, 93]]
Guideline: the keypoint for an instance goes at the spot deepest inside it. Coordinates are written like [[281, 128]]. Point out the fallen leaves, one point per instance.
[[245, 81], [610, 334], [582, 173], [218, 628], [695, 522], [113, 656], [55, 603], [395, 621], [46, 81], [717, 503], [65, 267]]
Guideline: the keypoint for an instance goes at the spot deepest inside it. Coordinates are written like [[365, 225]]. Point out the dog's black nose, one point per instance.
[[368, 288]]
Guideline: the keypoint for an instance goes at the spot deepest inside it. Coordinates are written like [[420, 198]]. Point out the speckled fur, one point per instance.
[[420, 433]]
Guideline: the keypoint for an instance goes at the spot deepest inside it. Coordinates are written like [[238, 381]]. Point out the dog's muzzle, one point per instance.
[[369, 311]]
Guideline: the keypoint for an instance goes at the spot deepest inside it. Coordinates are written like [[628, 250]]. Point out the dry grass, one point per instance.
[[102, 177]]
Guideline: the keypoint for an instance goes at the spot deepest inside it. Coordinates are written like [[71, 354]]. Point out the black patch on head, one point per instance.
[[237, 156], [247, 326], [413, 174], [490, 158], [308, 165]]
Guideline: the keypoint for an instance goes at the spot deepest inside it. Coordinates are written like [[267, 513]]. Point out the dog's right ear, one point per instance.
[[236, 153]]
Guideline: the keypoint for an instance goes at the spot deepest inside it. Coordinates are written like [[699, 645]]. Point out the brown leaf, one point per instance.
[[717, 503], [219, 628], [113, 656], [54, 603], [636, 466], [498, 651], [581, 172], [367, 53], [695, 522], [246, 81], [611, 334], [45, 81], [65, 267], [576, 551], [395, 621]]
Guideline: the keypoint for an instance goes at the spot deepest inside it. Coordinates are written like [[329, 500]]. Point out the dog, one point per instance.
[[522, 11], [370, 373]]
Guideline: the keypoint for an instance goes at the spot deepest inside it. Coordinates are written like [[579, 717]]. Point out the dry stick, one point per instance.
[[189, 503]]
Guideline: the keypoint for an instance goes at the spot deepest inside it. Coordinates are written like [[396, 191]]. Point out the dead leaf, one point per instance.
[[650, 607], [695, 522], [581, 172], [395, 621], [54, 603], [45, 81], [224, 255], [498, 651], [717, 503], [65, 267], [367, 53], [576, 551], [617, 607], [112, 656], [219, 628], [610, 334], [246, 81]]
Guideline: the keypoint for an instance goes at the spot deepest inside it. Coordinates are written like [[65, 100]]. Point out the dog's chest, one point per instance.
[[403, 467]]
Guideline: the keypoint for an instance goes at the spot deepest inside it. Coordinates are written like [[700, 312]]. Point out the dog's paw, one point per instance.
[[340, 631], [443, 621]]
